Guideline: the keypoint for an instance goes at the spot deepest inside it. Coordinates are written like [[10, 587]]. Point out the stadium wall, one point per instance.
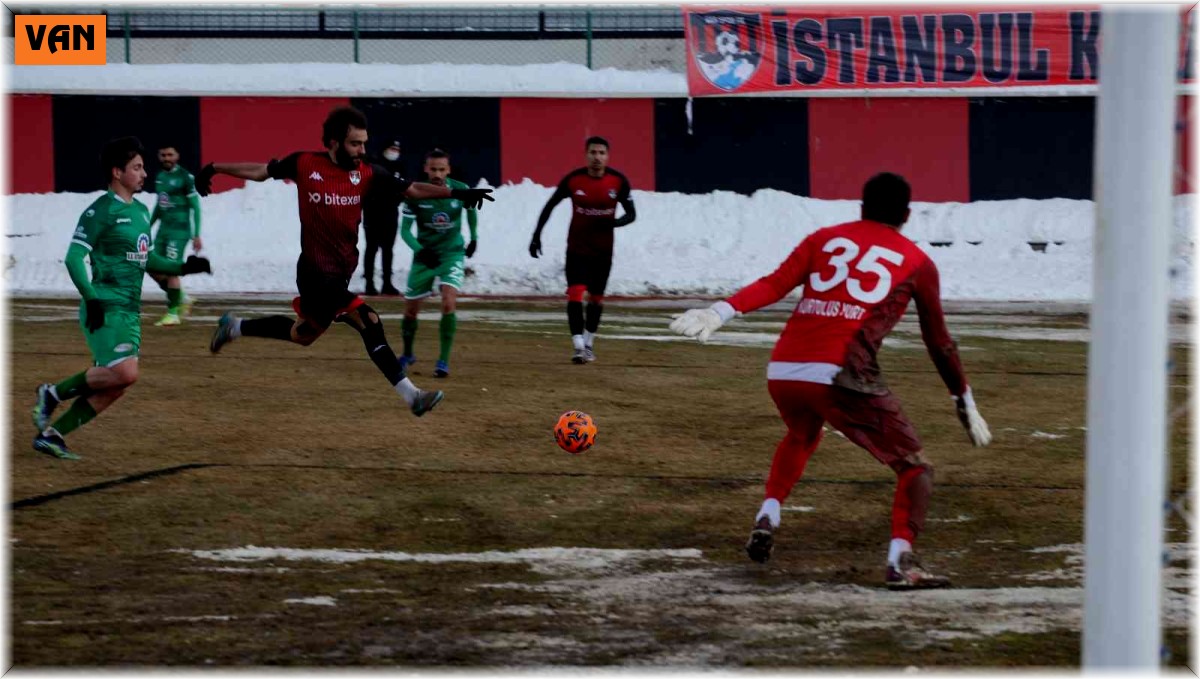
[[953, 149]]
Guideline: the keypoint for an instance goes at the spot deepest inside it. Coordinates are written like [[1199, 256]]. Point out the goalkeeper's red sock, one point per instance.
[[914, 486], [791, 456]]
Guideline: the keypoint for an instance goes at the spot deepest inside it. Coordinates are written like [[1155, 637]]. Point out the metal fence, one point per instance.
[[629, 38]]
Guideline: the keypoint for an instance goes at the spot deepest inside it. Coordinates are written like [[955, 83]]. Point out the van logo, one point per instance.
[[60, 40]]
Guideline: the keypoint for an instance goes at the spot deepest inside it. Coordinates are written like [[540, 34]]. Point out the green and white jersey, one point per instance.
[[174, 187], [116, 235], [439, 221]]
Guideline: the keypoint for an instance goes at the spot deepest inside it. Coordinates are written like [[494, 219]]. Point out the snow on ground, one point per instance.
[[313, 601], [477, 80], [681, 244], [541, 560], [618, 588]]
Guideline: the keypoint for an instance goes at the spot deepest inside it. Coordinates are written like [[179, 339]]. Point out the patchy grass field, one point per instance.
[[277, 505]]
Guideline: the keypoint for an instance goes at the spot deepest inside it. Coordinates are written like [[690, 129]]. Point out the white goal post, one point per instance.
[[1127, 360]]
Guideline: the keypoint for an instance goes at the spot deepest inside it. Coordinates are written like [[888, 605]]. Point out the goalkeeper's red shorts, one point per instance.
[[874, 422]]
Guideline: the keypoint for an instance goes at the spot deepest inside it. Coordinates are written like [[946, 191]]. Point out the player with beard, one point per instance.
[[330, 186], [178, 211], [437, 254], [595, 191]]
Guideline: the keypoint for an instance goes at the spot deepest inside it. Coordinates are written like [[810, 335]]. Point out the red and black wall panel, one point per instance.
[[30, 144], [543, 139], [468, 128], [737, 145], [922, 139], [82, 125], [257, 129], [1026, 147]]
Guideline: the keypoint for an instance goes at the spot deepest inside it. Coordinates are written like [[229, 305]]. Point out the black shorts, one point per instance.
[[323, 297], [589, 270]]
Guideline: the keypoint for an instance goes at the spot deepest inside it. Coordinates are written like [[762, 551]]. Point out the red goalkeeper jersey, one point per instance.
[[858, 278]]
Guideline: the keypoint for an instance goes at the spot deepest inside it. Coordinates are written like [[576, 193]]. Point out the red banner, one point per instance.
[[742, 51]]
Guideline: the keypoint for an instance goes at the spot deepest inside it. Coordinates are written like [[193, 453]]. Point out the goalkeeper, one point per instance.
[[858, 278], [437, 254]]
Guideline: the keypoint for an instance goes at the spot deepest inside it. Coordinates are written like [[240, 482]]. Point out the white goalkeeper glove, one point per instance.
[[701, 323], [972, 421]]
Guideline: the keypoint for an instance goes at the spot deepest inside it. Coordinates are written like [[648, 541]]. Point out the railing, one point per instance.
[[629, 36]]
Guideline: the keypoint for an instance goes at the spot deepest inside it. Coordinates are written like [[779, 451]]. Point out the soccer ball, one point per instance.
[[575, 432], [727, 44]]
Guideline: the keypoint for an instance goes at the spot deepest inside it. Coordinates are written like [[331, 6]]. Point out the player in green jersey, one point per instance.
[[437, 254], [178, 213], [114, 232]]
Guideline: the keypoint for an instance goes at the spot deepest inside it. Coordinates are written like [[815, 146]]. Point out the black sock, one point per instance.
[[381, 353], [575, 317], [594, 309], [273, 327]]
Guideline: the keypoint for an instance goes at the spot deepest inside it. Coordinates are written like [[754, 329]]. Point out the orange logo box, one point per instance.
[[61, 40]]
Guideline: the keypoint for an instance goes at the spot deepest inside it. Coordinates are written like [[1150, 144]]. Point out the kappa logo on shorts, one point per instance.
[[124, 347]]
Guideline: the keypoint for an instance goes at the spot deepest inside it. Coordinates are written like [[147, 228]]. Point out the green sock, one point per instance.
[[408, 331], [75, 385], [174, 295], [81, 413], [446, 332]]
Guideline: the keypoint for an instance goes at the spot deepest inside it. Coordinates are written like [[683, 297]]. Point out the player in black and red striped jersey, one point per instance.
[[330, 186], [595, 191]]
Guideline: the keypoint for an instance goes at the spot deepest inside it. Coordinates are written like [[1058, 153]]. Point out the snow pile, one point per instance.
[[478, 80], [707, 244]]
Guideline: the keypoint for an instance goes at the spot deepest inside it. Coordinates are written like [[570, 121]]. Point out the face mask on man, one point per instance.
[[391, 154]]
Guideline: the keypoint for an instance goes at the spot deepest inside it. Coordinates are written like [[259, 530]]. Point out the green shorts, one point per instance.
[[120, 337], [421, 277], [172, 247]]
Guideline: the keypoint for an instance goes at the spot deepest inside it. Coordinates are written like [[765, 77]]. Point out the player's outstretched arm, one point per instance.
[[471, 198], [701, 323], [255, 172], [944, 352]]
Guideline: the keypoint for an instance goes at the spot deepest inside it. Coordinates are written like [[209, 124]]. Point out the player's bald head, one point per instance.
[[885, 199]]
